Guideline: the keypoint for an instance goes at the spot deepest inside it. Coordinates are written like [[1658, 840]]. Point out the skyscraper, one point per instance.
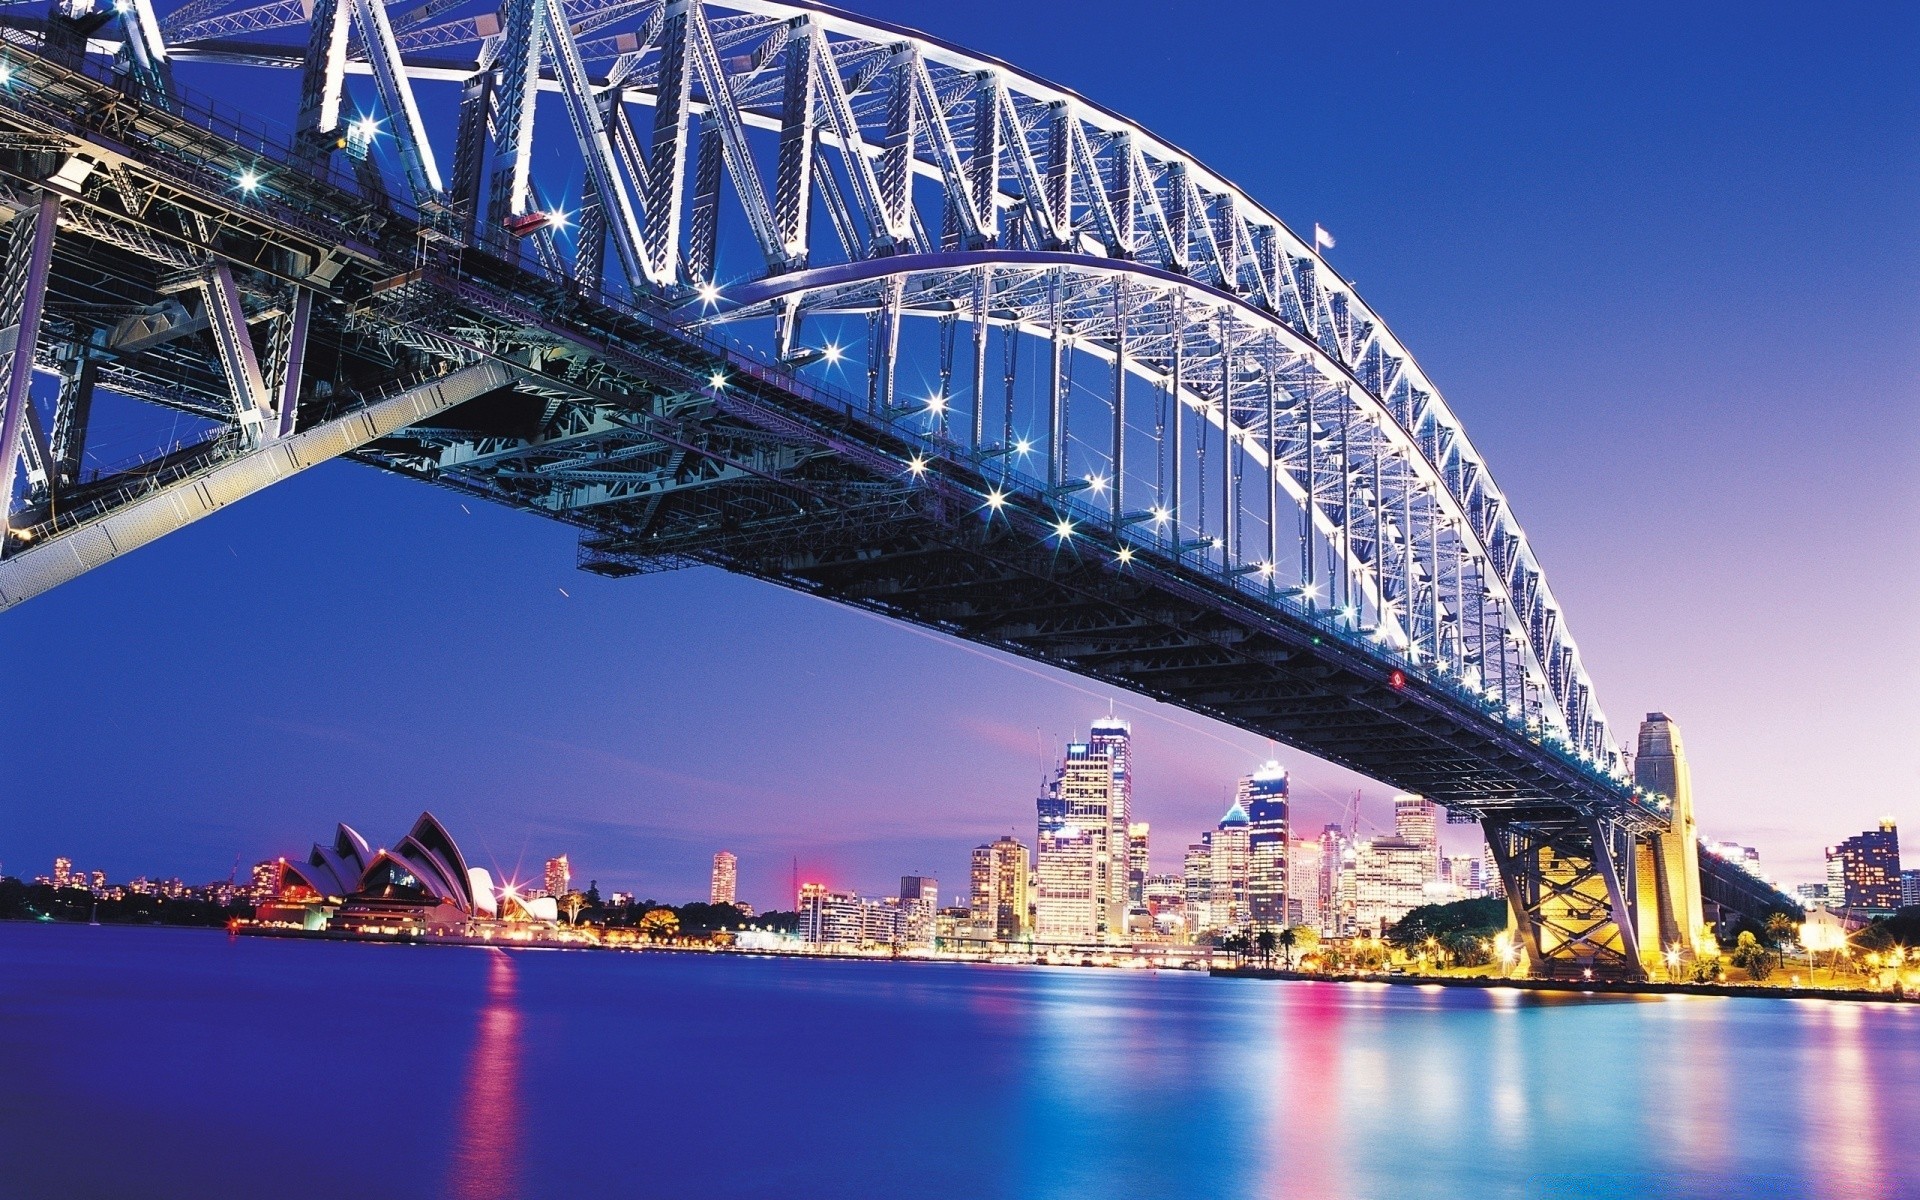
[[1335, 908], [725, 877], [1389, 881], [1264, 796], [559, 876], [1303, 882], [1137, 869], [1417, 820], [1011, 904], [1228, 857], [1910, 888], [62, 872], [1064, 908], [1114, 738], [1869, 868], [1080, 809], [1197, 877]]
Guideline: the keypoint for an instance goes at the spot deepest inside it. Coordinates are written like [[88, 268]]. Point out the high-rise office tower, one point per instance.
[[1197, 877], [1137, 870], [980, 897], [1009, 888], [1114, 738], [1869, 868], [1229, 858], [1333, 856], [1417, 820], [1910, 888], [559, 875], [1065, 904], [726, 877], [1263, 794], [1084, 789], [62, 872], [1303, 882], [1390, 878]]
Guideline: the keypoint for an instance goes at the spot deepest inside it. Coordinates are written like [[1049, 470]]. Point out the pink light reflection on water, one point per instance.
[[487, 1148], [1307, 1138]]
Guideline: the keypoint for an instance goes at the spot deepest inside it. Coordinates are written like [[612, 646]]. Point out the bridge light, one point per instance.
[[1266, 570], [1125, 555], [717, 379], [1161, 516], [249, 181], [936, 405], [1023, 446], [1219, 543], [996, 499], [917, 465], [708, 292], [557, 218], [832, 352], [1097, 483], [1397, 679], [1063, 529]]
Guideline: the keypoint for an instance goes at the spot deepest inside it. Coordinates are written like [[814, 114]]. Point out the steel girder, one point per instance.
[[1570, 882]]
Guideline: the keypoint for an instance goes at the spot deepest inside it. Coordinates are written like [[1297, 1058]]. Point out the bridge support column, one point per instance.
[[1569, 881], [23, 291]]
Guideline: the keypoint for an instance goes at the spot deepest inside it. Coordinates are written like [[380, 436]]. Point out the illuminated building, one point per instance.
[[829, 918], [1064, 904], [1336, 917], [1869, 868], [559, 876], [1137, 833], [1909, 888], [1303, 882], [1113, 738], [1197, 881], [725, 878], [999, 890], [919, 909], [1228, 859], [62, 872], [1263, 794], [421, 885], [1082, 850], [266, 880], [1417, 820], [1389, 881]]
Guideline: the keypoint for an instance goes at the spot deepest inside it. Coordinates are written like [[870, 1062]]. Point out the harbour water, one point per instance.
[[149, 1063]]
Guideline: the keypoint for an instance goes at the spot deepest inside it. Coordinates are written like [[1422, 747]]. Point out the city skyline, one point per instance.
[[1499, 275]]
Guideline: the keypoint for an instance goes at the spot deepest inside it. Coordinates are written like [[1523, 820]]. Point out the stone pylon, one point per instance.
[[1661, 766]]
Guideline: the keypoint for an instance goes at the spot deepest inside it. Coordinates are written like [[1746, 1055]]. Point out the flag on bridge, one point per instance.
[[1322, 240]]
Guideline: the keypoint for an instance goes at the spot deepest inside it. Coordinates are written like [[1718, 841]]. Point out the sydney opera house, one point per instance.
[[422, 885]]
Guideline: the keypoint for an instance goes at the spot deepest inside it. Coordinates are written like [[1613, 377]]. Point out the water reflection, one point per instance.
[[488, 1121], [1306, 1141], [1844, 1147]]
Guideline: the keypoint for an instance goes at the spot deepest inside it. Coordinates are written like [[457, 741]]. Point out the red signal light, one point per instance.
[[1398, 679]]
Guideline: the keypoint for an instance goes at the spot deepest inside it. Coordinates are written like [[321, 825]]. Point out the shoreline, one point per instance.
[[1597, 987], [1269, 974]]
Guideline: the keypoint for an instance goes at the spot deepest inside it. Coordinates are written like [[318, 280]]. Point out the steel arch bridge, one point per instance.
[[815, 299]]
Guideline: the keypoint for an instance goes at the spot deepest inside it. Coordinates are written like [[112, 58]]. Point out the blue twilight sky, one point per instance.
[[1662, 259]]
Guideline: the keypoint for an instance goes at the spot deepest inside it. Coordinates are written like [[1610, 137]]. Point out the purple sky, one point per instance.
[[1663, 263]]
